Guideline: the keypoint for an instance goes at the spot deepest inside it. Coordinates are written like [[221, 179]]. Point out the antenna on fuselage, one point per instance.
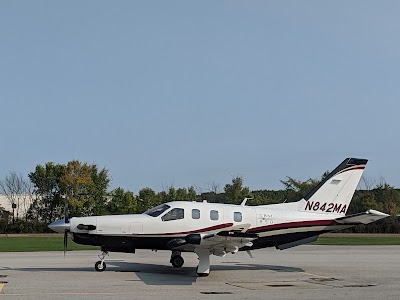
[[244, 201]]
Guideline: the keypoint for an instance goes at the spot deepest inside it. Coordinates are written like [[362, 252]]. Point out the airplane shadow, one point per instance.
[[43, 269], [153, 274]]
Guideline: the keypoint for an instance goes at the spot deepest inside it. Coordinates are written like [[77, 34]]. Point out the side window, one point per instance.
[[174, 214], [237, 216], [214, 215], [195, 214]]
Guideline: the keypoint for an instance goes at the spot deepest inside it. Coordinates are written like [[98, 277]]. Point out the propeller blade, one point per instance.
[[65, 241], [66, 218]]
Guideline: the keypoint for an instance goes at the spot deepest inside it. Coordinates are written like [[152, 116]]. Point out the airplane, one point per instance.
[[218, 229]]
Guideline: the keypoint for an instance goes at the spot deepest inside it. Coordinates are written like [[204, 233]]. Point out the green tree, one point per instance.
[[388, 197], [172, 194], [122, 202], [191, 193], [213, 197], [161, 197], [85, 187], [235, 192], [264, 197], [295, 189], [147, 199], [4, 219], [185, 194], [362, 201], [46, 182], [182, 194]]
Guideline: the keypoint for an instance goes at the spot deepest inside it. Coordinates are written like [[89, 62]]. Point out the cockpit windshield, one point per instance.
[[158, 210]]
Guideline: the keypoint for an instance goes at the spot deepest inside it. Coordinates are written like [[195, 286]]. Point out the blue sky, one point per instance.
[[193, 92]]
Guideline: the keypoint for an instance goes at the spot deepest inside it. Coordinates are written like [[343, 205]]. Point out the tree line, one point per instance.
[[39, 199]]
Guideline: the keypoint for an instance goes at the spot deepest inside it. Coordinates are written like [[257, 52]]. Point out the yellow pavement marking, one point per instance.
[[69, 294], [1, 286]]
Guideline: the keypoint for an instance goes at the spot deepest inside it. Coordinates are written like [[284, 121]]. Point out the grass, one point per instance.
[[55, 243], [31, 244]]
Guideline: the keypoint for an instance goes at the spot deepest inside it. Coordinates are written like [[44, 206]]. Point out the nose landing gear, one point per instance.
[[100, 265]]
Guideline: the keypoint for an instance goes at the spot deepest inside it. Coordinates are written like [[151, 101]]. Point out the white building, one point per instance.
[[22, 202], [5, 203]]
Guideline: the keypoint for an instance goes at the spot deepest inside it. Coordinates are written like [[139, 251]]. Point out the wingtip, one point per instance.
[[376, 213]]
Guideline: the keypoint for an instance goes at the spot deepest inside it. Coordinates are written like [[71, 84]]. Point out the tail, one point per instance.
[[334, 193]]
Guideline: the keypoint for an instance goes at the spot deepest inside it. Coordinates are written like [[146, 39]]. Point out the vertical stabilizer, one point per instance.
[[334, 193]]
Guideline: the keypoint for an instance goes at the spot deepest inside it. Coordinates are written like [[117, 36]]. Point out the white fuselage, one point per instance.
[[203, 217]]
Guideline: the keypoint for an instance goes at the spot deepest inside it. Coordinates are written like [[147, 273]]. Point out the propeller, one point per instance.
[[66, 221], [65, 241], [66, 218], [62, 226]]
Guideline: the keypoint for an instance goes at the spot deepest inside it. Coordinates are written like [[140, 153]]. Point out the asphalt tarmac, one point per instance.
[[305, 272]]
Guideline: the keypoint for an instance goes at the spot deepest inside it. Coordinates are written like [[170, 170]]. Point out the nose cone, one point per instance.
[[59, 226]]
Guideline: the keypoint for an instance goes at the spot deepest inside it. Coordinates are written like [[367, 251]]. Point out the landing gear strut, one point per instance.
[[176, 259], [203, 269], [100, 266]]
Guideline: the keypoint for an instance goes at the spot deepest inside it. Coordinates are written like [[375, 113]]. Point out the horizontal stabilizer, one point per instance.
[[362, 218]]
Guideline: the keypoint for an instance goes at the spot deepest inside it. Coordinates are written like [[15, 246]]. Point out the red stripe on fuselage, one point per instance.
[[292, 225], [215, 227]]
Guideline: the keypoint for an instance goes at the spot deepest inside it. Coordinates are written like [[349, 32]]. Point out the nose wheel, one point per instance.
[[100, 265]]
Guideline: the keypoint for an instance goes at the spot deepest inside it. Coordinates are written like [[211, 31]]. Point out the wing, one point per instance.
[[219, 243], [362, 218], [226, 242]]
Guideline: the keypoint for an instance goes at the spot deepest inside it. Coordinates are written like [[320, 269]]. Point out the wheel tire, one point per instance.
[[98, 266], [177, 261]]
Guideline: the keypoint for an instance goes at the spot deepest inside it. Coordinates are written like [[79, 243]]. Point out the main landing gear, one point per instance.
[[203, 269], [176, 259], [100, 266]]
